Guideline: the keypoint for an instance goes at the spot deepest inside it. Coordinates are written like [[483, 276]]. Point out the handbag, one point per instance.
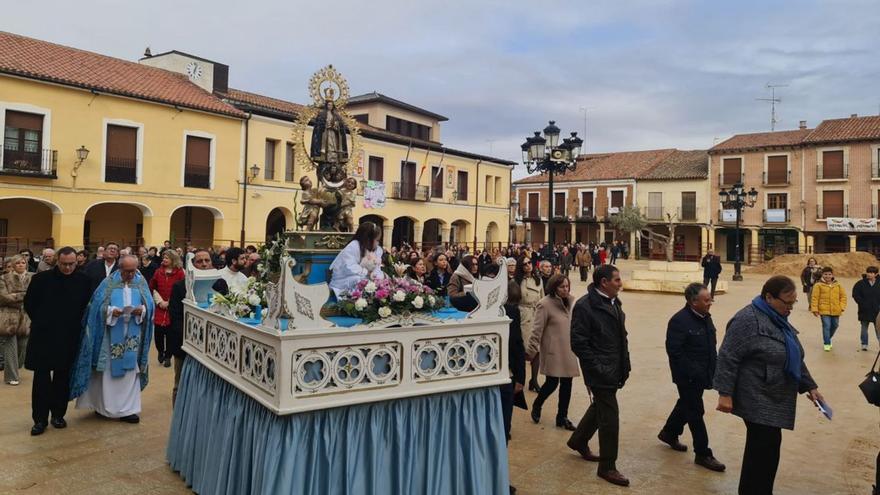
[[870, 386]]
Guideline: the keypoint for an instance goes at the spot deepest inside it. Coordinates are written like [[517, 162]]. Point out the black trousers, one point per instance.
[[161, 333], [760, 459], [689, 411], [506, 392], [602, 416], [584, 270], [50, 392], [549, 387], [711, 283]]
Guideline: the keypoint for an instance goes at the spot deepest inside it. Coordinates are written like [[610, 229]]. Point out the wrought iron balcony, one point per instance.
[[197, 179], [821, 175], [587, 214], [731, 179], [31, 164], [776, 215], [122, 170], [687, 213], [409, 191], [654, 213], [777, 181], [823, 212]]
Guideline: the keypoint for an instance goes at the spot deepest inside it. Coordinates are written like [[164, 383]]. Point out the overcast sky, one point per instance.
[[651, 73]]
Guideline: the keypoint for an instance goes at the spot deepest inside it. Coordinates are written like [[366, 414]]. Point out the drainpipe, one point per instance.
[[245, 177], [477, 204]]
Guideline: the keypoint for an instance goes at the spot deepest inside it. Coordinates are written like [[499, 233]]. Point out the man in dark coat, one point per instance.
[[55, 302], [101, 268], [598, 339], [711, 264], [866, 294], [201, 261], [690, 345]]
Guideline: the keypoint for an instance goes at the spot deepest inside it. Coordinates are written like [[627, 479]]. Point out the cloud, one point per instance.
[[653, 74]]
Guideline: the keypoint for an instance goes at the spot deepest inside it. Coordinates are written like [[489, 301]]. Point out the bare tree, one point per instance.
[[630, 219]]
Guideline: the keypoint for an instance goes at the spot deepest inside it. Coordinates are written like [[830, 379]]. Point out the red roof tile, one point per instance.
[[680, 164], [744, 142], [245, 98], [609, 166], [849, 129], [37, 59]]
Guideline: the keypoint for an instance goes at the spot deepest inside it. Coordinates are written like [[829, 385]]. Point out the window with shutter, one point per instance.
[[22, 141], [197, 168], [534, 208], [376, 168], [655, 206], [436, 182], [462, 189], [832, 165], [832, 204], [777, 169], [587, 204], [269, 169], [732, 171], [289, 160], [617, 199], [688, 206], [120, 156], [558, 204]]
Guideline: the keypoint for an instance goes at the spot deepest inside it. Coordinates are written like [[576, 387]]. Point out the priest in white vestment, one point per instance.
[[111, 368]]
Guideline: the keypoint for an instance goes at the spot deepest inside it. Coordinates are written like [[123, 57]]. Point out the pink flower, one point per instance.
[[382, 293], [355, 294]]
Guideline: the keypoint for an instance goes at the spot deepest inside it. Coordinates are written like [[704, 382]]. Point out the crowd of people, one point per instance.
[[126, 295]]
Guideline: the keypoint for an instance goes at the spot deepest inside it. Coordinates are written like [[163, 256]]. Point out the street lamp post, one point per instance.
[[249, 176], [546, 155], [736, 198]]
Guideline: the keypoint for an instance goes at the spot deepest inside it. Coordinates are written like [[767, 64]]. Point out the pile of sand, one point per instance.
[[844, 264]]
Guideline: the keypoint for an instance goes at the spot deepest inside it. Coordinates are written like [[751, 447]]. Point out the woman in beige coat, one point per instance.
[[551, 336], [532, 291], [14, 323]]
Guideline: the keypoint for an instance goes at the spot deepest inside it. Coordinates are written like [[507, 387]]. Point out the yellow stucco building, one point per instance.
[[168, 146]]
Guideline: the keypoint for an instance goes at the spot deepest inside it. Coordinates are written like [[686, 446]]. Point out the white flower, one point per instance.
[[431, 301], [264, 312], [370, 287], [260, 267], [384, 312], [418, 302], [360, 304], [399, 296], [253, 299]]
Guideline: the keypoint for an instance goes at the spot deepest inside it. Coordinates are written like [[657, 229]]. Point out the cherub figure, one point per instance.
[[311, 203], [347, 200]]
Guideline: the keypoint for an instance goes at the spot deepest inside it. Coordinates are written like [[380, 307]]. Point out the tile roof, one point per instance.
[[380, 98], [246, 99], [609, 166], [37, 59], [680, 164], [848, 129], [745, 142]]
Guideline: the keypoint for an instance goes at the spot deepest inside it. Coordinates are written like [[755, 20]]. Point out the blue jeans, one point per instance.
[[865, 331], [829, 326]]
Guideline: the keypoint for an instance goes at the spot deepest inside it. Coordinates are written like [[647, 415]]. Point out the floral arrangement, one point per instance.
[[371, 300], [269, 266], [241, 302]]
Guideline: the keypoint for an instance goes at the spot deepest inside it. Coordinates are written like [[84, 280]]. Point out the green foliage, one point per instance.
[[629, 220]]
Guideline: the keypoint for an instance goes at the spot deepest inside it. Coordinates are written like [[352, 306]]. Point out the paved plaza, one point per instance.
[[93, 456]]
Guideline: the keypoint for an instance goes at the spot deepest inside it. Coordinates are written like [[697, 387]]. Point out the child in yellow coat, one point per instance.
[[828, 302]]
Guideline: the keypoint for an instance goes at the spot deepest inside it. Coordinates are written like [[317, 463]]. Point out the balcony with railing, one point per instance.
[[687, 213], [822, 175], [42, 163], [776, 215], [777, 179], [726, 180], [409, 191], [824, 212], [875, 171], [613, 210], [587, 214], [122, 170], [730, 218], [654, 213], [530, 214], [196, 178]]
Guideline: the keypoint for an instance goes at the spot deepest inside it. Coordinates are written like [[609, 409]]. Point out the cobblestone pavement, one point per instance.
[[94, 456]]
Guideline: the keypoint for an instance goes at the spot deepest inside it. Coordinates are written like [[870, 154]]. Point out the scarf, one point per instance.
[[793, 357], [464, 273]]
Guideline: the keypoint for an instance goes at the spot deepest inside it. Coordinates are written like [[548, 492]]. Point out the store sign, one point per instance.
[[728, 215], [776, 215], [839, 224]]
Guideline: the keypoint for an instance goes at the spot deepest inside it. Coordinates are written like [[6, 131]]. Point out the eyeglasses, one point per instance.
[[789, 304]]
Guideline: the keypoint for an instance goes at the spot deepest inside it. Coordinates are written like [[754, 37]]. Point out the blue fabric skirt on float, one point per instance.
[[224, 442]]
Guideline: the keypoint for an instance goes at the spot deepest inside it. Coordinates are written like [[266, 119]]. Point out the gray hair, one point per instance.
[[48, 252], [124, 256], [692, 291]]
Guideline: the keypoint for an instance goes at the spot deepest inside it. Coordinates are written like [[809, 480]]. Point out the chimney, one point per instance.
[[148, 53], [854, 115], [802, 125]]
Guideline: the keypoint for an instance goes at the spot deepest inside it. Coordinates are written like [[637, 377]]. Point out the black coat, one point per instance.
[[690, 345], [55, 304], [150, 269], [711, 266], [598, 339], [436, 284], [96, 273], [175, 312], [867, 296], [516, 349]]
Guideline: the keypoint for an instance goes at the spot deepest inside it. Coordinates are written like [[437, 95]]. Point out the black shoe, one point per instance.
[[709, 462], [536, 414], [672, 441], [38, 429], [161, 358], [132, 418], [533, 386], [565, 424], [59, 423], [512, 490], [167, 362]]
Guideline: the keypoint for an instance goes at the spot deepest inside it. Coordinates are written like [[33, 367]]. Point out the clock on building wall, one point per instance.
[[194, 70]]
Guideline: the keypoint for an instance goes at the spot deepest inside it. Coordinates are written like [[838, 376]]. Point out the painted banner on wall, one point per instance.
[[841, 224], [374, 194], [450, 177]]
